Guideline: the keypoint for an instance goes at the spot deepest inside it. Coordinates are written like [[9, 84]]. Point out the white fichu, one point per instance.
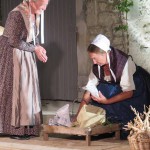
[[42, 27], [37, 23]]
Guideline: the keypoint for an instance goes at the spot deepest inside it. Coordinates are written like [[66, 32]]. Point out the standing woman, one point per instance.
[[20, 105]]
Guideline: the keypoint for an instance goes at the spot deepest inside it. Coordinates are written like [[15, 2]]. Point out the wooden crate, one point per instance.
[[87, 132]]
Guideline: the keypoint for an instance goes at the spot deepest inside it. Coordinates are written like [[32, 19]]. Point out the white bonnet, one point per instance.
[[102, 42]]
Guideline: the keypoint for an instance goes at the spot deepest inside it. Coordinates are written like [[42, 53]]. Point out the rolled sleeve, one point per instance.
[[93, 80], [15, 26], [127, 82]]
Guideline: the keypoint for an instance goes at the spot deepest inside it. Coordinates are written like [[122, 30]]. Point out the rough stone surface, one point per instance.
[[94, 17], [139, 32]]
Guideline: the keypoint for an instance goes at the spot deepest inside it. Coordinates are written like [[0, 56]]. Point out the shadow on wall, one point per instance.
[[49, 71]]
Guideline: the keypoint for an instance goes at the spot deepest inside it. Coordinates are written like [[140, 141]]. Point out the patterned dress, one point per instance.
[[15, 117]]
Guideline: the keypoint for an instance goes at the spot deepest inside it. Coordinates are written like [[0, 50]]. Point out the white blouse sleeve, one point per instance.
[[127, 82], [93, 79], [91, 85]]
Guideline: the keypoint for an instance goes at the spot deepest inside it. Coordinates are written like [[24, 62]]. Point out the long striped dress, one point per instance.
[[20, 106]]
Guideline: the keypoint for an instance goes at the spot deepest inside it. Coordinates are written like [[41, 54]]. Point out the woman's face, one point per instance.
[[38, 6], [98, 58]]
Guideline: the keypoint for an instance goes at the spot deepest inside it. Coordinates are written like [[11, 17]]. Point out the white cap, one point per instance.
[[102, 42]]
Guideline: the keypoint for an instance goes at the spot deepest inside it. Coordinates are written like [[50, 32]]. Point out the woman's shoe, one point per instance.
[[20, 137]]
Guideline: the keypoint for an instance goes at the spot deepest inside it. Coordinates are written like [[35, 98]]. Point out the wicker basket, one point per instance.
[[139, 144]]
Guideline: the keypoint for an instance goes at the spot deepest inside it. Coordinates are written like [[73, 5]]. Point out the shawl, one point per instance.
[[25, 10]]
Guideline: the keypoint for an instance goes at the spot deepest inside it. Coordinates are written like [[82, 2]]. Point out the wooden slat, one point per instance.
[[105, 129], [64, 130]]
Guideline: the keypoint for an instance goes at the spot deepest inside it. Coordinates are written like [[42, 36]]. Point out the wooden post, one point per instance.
[[88, 135], [88, 140], [45, 136], [117, 135]]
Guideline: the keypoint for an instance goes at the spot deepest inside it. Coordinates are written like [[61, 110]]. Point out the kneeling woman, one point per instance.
[[119, 81]]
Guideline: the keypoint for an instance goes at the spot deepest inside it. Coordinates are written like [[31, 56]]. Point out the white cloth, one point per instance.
[[92, 89], [126, 83], [62, 117], [91, 85]]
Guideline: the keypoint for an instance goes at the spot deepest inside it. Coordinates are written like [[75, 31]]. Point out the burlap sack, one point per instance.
[[90, 116]]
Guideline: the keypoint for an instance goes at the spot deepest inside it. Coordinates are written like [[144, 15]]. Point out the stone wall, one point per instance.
[[94, 17], [139, 32], [101, 17]]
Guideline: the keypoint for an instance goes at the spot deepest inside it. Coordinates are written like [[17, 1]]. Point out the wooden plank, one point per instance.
[[64, 130], [105, 129], [81, 131]]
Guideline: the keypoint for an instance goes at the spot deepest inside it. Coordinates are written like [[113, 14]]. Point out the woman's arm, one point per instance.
[[15, 27], [37, 41], [15, 30], [120, 97], [87, 95], [117, 98], [85, 100]]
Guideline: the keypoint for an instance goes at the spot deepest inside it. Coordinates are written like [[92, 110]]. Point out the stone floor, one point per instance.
[[63, 142]]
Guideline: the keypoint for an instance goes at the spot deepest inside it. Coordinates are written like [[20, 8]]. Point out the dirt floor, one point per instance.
[[63, 142]]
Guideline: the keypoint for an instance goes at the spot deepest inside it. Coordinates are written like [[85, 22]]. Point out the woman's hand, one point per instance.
[[102, 99], [74, 118], [41, 53]]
